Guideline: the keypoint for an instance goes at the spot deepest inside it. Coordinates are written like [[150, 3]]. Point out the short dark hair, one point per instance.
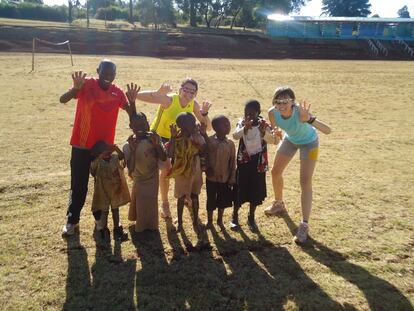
[[184, 118], [99, 147], [252, 104], [106, 62], [283, 91], [191, 81], [138, 116], [217, 120]]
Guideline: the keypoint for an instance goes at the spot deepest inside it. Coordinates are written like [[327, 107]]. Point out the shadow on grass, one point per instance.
[[267, 277], [113, 279], [380, 294], [78, 281], [190, 280]]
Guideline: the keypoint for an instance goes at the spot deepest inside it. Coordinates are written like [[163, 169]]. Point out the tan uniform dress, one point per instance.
[[110, 188], [144, 203]]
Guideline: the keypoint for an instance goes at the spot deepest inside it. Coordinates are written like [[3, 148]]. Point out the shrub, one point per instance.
[[28, 10], [112, 13]]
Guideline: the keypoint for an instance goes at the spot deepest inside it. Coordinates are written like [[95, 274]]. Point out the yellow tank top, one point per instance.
[[167, 116]]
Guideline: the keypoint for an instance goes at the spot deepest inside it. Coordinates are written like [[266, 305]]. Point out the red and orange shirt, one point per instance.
[[96, 114]]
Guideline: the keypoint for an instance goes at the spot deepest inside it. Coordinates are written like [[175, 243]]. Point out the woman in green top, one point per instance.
[[170, 106]]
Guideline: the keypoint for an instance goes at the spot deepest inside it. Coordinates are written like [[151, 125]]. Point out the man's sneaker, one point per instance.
[[302, 234], [69, 229], [165, 210], [120, 234], [276, 209], [234, 224]]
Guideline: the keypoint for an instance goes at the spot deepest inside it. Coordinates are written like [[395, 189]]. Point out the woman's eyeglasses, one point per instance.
[[283, 101], [189, 91]]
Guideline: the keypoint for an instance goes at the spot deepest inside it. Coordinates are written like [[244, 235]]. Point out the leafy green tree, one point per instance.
[[350, 8], [403, 12], [34, 1], [156, 12]]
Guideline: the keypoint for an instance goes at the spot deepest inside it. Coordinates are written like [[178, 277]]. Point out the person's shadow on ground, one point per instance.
[[113, 279], [168, 277], [267, 277], [380, 294], [78, 282], [112, 286]]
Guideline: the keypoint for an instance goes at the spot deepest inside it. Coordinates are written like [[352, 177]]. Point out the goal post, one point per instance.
[[49, 43]]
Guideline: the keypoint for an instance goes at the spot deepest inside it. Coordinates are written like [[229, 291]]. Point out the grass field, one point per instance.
[[361, 254]]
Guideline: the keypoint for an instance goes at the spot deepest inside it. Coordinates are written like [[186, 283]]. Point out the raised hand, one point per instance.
[[174, 131], [154, 138], [205, 107], [78, 78], [277, 133], [132, 92], [263, 126], [164, 89], [248, 124], [304, 111]]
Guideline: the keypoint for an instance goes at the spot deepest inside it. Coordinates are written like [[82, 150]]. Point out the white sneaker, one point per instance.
[[276, 209], [165, 210], [69, 229], [302, 234]]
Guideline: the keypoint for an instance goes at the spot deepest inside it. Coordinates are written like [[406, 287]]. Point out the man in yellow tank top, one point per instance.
[[170, 105]]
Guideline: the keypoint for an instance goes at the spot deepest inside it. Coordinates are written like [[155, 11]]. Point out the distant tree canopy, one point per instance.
[[211, 13], [349, 8], [403, 12]]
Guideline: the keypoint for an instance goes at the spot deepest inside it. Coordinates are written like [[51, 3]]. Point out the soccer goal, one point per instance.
[[49, 43]]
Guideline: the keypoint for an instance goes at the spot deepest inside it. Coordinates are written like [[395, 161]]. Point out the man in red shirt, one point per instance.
[[96, 115]]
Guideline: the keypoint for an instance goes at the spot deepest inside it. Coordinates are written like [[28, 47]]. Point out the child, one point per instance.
[[299, 126], [251, 162], [110, 188], [143, 154], [184, 148], [221, 170]]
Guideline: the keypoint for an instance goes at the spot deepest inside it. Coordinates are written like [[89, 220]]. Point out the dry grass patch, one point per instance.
[[360, 256]]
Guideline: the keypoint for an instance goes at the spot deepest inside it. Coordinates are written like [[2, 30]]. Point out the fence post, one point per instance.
[[33, 52]]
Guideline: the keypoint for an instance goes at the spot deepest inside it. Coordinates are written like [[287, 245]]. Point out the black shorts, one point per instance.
[[219, 195]]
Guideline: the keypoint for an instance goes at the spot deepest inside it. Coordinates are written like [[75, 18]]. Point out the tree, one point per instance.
[[34, 1], [156, 12], [403, 12], [350, 8]]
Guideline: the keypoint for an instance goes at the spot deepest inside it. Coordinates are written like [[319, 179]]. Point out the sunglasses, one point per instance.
[[283, 101], [189, 91]]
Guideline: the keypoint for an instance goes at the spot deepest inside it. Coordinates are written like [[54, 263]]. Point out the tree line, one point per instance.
[[210, 13]]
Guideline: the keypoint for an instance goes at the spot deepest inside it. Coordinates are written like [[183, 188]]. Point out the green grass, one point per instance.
[[359, 258]]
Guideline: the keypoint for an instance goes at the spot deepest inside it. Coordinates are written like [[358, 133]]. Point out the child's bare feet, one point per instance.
[[208, 225], [179, 228]]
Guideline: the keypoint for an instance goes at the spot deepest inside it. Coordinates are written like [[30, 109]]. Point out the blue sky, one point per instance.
[[384, 8]]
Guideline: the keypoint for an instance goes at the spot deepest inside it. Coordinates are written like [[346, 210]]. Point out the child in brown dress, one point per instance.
[[145, 155], [110, 188]]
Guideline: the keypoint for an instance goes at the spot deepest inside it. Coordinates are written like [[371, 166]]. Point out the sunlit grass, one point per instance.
[[361, 256]]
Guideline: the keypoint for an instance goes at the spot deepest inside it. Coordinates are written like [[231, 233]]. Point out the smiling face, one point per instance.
[[107, 73], [283, 100], [284, 104], [221, 126], [188, 92], [187, 123], [139, 126]]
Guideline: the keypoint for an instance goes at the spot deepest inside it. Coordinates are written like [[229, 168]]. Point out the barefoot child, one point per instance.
[[110, 188], [184, 149], [221, 170], [143, 154], [251, 162], [300, 127]]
